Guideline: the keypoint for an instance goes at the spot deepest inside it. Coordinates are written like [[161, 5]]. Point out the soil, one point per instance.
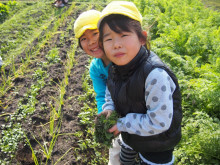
[[36, 125]]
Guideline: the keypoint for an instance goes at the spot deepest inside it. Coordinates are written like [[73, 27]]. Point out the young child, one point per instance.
[[85, 29], [60, 3], [144, 91]]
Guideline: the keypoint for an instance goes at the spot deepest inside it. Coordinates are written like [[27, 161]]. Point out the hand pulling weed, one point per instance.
[[101, 129]]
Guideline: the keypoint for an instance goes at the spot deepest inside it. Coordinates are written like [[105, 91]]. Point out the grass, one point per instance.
[[20, 30], [215, 4]]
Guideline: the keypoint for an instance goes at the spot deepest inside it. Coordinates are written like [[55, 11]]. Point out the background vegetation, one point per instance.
[[184, 33]]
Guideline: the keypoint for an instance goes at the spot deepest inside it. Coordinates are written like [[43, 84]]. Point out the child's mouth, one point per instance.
[[119, 54], [95, 50]]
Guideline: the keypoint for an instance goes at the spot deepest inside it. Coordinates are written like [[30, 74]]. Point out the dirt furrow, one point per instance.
[[70, 110], [46, 94]]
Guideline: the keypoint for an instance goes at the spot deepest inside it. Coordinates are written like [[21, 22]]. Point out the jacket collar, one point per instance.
[[125, 71]]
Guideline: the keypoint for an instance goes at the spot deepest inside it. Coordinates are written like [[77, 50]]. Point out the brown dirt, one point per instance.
[[36, 125], [70, 122]]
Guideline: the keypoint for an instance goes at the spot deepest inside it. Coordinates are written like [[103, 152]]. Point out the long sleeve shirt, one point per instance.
[[159, 88], [1, 62], [99, 73]]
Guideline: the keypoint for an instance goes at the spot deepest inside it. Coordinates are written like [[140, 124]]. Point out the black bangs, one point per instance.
[[118, 23], [121, 23]]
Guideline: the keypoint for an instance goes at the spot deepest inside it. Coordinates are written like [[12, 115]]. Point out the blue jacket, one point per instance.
[[99, 74]]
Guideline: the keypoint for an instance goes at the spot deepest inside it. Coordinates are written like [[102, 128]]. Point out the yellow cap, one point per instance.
[[121, 7], [86, 20]]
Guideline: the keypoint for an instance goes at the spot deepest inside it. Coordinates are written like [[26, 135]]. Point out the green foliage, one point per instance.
[[185, 27], [186, 36], [53, 56], [3, 12], [39, 74], [13, 133], [12, 4], [11, 136], [200, 141], [23, 26], [203, 93], [87, 86], [102, 126], [33, 153], [87, 116]]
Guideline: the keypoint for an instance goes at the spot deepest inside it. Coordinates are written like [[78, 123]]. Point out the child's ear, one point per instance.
[[144, 32], [144, 40]]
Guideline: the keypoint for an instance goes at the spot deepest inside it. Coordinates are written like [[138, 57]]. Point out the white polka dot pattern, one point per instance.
[[159, 88]]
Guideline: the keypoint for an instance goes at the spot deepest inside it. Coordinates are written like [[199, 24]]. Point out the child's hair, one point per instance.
[[119, 23], [79, 44]]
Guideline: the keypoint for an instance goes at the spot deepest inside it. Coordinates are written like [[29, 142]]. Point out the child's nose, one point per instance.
[[117, 44], [92, 41]]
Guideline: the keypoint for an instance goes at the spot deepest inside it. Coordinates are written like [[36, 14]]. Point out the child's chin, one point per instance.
[[99, 55], [120, 63]]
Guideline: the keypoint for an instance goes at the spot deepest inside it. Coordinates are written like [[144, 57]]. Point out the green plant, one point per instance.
[[39, 74], [102, 126], [13, 133], [53, 56], [10, 138], [5, 84], [200, 141], [53, 117], [87, 116], [3, 12], [12, 4], [33, 153], [47, 147]]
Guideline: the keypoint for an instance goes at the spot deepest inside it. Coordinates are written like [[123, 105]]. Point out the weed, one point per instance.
[[10, 138], [33, 153], [47, 147], [53, 56]]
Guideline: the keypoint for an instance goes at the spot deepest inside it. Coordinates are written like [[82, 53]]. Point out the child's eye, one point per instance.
[[82, 39], [108, 39], [124, 35], [95, 33]]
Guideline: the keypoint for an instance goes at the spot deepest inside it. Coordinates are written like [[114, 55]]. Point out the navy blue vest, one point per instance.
[[127, 87]]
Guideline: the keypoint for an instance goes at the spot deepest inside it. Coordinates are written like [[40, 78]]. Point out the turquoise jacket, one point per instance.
[[99, 74]]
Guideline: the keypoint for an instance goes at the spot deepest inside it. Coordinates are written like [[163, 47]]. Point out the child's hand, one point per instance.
[[107, 113], [114, 130]]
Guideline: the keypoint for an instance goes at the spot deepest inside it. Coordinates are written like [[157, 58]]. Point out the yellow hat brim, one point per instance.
[[86, 20], [84, 28], [123, 8]]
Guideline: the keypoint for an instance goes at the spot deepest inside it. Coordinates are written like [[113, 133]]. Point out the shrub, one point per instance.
[[12, 4], [200, 141], [3, 12]]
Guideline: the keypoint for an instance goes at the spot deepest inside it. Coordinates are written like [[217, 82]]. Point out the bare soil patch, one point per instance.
[[37, 125]]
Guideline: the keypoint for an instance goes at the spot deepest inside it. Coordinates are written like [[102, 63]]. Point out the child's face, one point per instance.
[[120, 48], [90, 43]]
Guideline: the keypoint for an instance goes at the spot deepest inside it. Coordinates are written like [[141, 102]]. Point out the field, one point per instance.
[[47, 105], [215, 4]]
